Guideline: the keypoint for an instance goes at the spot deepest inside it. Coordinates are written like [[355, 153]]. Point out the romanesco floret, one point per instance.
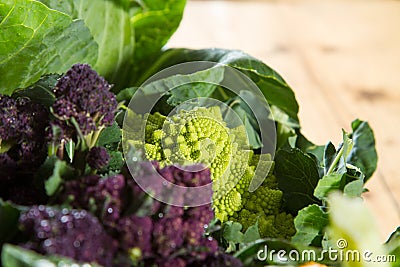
[[264, 205], [202, 136]]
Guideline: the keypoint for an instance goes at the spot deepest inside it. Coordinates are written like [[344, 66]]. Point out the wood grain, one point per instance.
[[342, 58]]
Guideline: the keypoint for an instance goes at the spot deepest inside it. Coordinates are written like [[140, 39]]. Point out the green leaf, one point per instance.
[[308, 147], [248, 120], [271, 84], [40, 92], [14, 256], [354, 188], [357, 152], [126, 94], [54, 172], [232, 232], [183, 87], [363, 154], [328, 183], [9, 216], [252, 234], [53, 183], [310, 223], [109, 22], [110, 135], [115, 164], [297, 176], [45, 41], [154, 22], [285, 126]]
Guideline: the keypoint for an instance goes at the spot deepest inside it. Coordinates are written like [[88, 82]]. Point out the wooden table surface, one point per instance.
[[342, 59]]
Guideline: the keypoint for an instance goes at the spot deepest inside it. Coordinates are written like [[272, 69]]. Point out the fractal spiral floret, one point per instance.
[[201, 135]]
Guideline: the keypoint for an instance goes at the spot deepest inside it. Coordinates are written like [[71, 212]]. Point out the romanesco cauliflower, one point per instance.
[[201, 135]]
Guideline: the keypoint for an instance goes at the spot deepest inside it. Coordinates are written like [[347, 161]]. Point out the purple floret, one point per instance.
[[98, 158], [168, 235], [103, 196], [22, 131], [135, 232], [9, 119], [71, 233], [82, 95]]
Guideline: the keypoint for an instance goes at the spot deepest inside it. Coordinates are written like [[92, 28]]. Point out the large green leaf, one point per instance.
[[178, 88], [297, 176], [35, 40], [154, 22], [110, 25], [271, 84]]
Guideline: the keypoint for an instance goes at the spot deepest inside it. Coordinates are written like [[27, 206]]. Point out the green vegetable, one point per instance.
[[297, 176], [154, 22], [201, 136], [110, 25], [264, 206], [118, 38], [46, 41]]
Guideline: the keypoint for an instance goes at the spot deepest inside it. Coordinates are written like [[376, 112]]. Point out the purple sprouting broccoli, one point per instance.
[[22, 135], [102, 196], [163, 235], [71, 233], [84, 104], [168, 235], [23, 148], [177, 233], [135, 234], [98, 158]]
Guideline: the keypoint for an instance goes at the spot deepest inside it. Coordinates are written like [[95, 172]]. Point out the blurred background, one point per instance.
[[342, 59]]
